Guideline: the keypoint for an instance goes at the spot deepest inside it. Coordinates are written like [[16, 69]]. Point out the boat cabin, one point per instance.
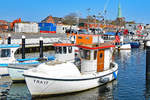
[[64, 51], [7, 52], [95, 58], [88, 39]]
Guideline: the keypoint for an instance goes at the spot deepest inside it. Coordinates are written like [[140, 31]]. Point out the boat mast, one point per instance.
[[88, 11]]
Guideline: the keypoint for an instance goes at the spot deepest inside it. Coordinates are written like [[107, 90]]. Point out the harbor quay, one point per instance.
[[32, 40]]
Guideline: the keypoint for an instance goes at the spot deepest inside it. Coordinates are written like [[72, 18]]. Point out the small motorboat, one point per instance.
[[62, 50], [59, 77], [8, 60]]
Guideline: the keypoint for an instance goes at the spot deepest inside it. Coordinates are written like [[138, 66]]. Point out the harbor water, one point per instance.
[[131, 83]]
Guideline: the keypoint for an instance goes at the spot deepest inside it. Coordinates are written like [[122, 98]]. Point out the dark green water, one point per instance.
[[131, 83]]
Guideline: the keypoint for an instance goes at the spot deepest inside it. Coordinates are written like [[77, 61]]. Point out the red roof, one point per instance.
[[3, 22], [94, 48]]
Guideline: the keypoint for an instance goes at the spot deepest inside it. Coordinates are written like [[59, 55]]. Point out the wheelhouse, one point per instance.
[[7, 52], [96, 57], [64, 51]]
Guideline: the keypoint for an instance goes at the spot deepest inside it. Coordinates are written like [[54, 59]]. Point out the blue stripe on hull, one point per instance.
[[3, 65], [9, 45], [4, 75]]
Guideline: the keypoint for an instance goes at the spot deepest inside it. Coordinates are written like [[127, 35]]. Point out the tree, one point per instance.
[[70, 19]]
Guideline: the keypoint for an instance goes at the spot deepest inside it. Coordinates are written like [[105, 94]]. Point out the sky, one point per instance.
[[37, 10]]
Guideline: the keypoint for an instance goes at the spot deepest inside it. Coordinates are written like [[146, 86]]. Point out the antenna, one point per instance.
[[106, 4], [88, 11]]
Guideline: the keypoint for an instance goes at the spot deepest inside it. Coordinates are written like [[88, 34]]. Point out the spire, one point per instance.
[[119, 11]]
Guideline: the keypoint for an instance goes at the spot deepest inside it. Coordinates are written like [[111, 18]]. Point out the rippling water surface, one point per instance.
[[131, 83]]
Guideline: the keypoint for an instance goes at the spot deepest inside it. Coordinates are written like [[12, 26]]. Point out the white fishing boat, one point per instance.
[[7, 59], [125, 55], [62, 51], [125, 46], [16, 69], [59, 77], [7, 52]]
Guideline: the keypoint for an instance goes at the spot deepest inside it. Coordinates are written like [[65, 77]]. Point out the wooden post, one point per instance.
[[9, 39], [41, 47], [23, 47]]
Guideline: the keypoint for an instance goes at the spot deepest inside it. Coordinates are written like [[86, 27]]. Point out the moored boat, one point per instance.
[[135, 44], [62, 50], [16, 69], [58, 77], [7, 52], [7, 59], [124, 46]]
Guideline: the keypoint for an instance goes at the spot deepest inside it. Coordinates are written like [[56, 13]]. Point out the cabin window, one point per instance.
[[64, 50], [85, 54], [81, 53], [79, 37], [60, 50], [95, 55], [57, 50], [101, 55], [5, 53], [70, 49]]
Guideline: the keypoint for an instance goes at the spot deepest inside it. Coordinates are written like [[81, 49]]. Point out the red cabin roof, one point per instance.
[[94, 47]]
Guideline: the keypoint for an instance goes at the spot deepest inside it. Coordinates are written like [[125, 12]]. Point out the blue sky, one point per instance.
[[36, 10]]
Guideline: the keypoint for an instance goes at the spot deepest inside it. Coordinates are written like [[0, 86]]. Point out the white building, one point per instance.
[[133, 27], [26, 27], [60, 28]]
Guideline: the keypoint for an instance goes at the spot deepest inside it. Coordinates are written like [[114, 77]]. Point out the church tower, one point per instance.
[[120, 19], [119, 11]]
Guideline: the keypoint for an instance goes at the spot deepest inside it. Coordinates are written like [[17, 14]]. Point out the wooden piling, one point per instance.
[[41, 47], [9, 39], [23, 47]]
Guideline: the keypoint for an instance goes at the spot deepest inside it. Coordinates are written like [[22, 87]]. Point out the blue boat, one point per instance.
[[135, 44]]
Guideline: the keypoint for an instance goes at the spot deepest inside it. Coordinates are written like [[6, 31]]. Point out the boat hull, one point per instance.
[[125, 47], [135, 44], [16, 71], [50, 86], [4, 71], [16, 74]]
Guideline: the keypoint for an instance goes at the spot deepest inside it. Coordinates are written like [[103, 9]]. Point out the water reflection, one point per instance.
[[131, 75], [130, 85], [19, 91], [125, 55], [104, 92], [147, 92]]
